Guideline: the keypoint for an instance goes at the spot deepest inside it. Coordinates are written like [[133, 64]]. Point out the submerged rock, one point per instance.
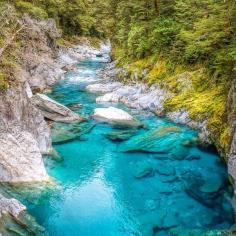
[[53, 110], [163, 140], [14, 220], [206, 191], [20, 159], [11, 206], [143, 169], [66, 133], [121, 135], [166, 170], [115, 116]]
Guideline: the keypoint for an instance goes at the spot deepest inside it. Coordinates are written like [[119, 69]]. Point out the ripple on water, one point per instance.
[[107, 191]]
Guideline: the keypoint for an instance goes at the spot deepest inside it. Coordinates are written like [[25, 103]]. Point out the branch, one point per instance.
[[10, 40]]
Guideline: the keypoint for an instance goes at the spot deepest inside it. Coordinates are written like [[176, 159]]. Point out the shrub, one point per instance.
[[34, 11]]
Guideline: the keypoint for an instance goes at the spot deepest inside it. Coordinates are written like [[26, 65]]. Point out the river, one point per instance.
[[103, 191]]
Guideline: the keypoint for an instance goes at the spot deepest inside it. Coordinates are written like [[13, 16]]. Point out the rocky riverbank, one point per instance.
[[136, 94]]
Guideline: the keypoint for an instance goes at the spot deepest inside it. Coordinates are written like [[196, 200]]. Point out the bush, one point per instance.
[[27, 7]]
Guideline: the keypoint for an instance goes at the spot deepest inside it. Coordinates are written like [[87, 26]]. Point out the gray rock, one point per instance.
[[206, 191], [20, 158], [165, 170], [18, 111], [160, 141], [143, 169], [11, 206], [115, 116], [120, 135], [231, 109], [53, 110]]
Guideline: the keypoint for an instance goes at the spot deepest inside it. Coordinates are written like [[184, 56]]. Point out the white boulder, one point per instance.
[[115, 116]]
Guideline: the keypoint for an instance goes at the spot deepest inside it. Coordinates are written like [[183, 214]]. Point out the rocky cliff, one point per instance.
[[231, 110], [24, 133]]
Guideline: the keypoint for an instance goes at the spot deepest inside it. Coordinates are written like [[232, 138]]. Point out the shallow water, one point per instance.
[[103, 191]]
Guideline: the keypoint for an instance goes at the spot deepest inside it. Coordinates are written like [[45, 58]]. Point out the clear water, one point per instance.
[[97, 192]]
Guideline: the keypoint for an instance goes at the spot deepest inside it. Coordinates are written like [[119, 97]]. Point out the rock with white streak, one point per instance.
[[55, 111]]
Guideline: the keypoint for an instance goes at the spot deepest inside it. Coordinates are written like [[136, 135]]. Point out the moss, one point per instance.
[[225, 138], [4, 83], [157, 73]]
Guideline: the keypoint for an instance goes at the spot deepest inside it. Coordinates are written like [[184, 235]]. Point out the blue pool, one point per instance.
[[106, 187]]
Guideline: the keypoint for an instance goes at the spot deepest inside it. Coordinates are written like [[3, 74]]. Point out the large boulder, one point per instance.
[[62, 133], [207, 191], [53, 110], [115, 116], [163, 140], [20, 158]]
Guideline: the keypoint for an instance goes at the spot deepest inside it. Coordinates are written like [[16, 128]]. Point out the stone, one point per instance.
[[143, 169], [109, 97], [20, 158], [158, 140], [120, 135], [206, 191], [75, 106], [103, 88], [192, 157], [115, 116], [62, 133], [165, 170], [11, 205], [231, 111], [55, 111]]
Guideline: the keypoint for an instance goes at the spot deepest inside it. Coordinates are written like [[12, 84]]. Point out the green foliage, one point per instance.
[[27, 7], [185, 32], [4, 83], [164, 32]]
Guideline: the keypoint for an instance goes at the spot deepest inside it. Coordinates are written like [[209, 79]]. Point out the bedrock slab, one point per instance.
[[20, 158], [53, 110]]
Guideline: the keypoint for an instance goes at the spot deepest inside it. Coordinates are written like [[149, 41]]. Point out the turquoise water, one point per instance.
[[110, 188]]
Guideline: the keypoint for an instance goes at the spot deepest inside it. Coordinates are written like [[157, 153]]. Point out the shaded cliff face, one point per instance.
[[38, 52], [231, 108], [18, 114], [25, 135]]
